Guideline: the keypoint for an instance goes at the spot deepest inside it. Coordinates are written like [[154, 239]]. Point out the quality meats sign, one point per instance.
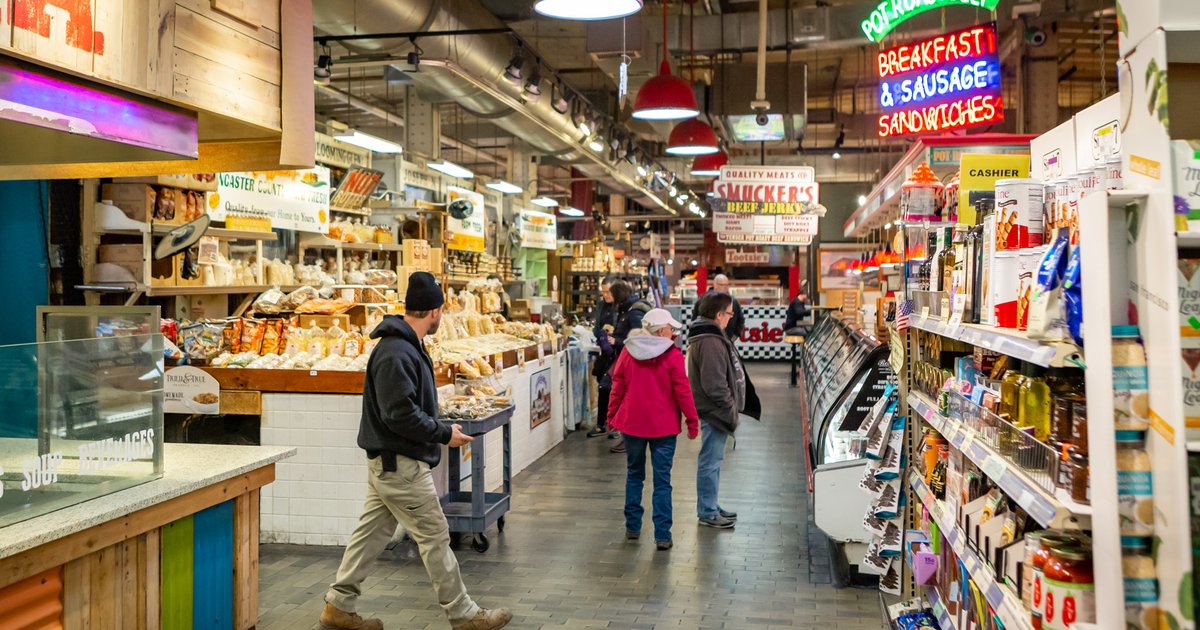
[[767, 190]]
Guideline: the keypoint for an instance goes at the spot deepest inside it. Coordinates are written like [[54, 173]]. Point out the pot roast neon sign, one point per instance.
[[948, 82], [892, 13]]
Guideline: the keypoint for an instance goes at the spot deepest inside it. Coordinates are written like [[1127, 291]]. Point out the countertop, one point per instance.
[[186, 467]]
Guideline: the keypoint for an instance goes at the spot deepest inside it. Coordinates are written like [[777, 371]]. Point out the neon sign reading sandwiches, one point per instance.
[[947, 82], [892, 13]]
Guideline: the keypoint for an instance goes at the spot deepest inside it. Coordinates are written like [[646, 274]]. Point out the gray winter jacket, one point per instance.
[[716, 375]]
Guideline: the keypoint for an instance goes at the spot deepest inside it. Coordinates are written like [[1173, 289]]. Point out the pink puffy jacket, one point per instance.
[[650, 390]]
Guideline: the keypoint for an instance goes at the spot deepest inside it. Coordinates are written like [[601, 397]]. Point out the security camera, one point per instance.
[[762, 119], [1036, 37]]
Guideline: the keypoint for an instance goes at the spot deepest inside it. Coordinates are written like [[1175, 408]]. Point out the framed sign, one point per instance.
[[541, 398]]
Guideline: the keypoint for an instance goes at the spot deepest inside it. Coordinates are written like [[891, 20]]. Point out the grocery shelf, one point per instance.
[[324, 242], [1188, 239], [1007, 604], [1005, 341], [218, 233], [945, 622], [172, 291], [1051, 510], [1193, 446]]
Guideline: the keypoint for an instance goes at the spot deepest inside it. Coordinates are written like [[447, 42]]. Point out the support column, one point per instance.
[[1039, 98]]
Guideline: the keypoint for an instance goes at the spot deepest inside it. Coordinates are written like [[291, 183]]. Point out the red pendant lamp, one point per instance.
[[709, 165], [692, 137], [665, 97]]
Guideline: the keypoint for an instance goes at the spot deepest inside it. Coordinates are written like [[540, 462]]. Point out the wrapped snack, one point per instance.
[[468, 370], [1047, 318], [337, 340], [252, 335], [474, 329], [296, 341], [300, 296], [270, 302], [272, 334], [231, 336], [171, 351], [354, 344], [317, 340], [321, 306], [192, 345], [485, 368], [170, 329], [380, 277], [243, 359], [222, 360]]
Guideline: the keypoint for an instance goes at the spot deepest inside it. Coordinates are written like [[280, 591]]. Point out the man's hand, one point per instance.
[[458, 438]]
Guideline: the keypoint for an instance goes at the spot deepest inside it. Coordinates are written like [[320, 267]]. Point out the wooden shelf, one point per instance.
[[288, 381], [219, 233], [324, 242], [171, 291]]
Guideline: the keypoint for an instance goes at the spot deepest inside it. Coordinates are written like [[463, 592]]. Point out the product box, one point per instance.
[[519, 310], [1188, 278], [1098, 134], [1137, 19], [1190, 354], [1185, 170], [135, 200], [1052, 154]]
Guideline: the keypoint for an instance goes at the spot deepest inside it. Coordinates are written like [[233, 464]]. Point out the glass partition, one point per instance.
[[78, 420]]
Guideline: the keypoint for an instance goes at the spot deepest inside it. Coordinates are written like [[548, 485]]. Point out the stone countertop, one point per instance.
[[186, 468]]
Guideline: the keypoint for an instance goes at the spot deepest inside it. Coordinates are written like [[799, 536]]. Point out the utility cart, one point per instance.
[[472, 512]]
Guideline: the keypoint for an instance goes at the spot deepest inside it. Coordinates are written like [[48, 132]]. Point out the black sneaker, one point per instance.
[[596, 432], [663, 545], [729, 515], [717, 522], [632, 535]]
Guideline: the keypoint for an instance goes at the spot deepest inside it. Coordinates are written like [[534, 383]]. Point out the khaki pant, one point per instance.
[[406, 496]]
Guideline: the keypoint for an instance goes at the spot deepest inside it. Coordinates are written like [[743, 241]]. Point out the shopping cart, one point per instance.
[[473, 512]]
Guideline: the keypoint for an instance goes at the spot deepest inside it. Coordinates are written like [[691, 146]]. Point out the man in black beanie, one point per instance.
[[402, 436]]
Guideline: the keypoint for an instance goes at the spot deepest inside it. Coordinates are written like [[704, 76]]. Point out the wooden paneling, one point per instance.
[[114, 588], [297, 381], [245, 561], [34, 561], [225, 98], [57, 35], [266, 29], [144, 31], [34, 603], [178, 570], [6, 23], [212, 596], [204, 37]]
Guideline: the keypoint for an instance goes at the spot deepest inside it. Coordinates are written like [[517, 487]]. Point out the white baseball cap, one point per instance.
[[659, 317]]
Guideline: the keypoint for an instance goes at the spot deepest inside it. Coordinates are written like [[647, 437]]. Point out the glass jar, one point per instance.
[[1131, 398], [1060, 418], [1070, 589], [1081, 489], [1033, 544], [1141, 585], [1048, 541], [1135, 487], [1079, 426]]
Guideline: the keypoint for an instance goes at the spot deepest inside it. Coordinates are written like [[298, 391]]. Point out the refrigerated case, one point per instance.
[[845, 374]]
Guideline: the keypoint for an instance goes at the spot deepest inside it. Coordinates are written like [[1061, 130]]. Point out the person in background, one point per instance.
[[650, 392], [606, 320], [403, 439], [798, 312], [720, 284], [721, 391], [630, 311]]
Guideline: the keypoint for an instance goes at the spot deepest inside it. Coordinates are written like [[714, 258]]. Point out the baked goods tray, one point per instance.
[[479, 426]]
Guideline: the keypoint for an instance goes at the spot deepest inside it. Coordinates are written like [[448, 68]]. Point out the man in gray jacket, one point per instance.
[[721, 391]]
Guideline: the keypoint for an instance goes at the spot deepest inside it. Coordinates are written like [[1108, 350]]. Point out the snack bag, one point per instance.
[[296, 341], [272, 332], [1073, 296], [231, 336], [252, 335], [1047, 317]]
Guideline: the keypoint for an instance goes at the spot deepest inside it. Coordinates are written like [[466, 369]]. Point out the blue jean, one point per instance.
[[662, 454], [708, 471]]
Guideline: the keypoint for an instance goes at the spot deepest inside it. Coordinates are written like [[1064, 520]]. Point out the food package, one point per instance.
[[170, 329], [336, 340], [485, 368], [299, 296], [270, 302], [231, 336], [380, 277], [321, 306], [468, 369], [272, 335], [194, 343], [1047, 315], [253, 331]]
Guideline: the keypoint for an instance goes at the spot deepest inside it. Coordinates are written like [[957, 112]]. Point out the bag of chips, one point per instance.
[[252, 335]]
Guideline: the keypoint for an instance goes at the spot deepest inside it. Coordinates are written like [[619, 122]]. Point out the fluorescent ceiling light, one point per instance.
[[369, 142], [703, 173], [641, 169], [596, 145], [570, 211], [545, 202], [589, 10], [505, 187], [451, 169]]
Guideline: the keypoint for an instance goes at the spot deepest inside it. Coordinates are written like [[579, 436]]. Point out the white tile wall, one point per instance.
[[318, 494]]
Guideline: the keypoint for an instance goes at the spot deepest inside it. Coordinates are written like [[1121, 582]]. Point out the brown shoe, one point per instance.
[[333, 618], [488, 620]]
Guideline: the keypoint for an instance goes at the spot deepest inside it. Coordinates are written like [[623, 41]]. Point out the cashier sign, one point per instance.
[[766, 205]]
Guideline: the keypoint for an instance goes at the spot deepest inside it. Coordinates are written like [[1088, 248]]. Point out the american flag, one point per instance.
[[902, 312]]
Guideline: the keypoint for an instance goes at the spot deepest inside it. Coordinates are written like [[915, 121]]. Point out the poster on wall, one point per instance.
[[833, 269], [465, 225], [539, 230], [766, 205], [541, 398], [290, 200], [191, 390]]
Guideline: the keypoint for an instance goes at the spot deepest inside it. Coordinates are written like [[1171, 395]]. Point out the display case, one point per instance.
[[83, 419]]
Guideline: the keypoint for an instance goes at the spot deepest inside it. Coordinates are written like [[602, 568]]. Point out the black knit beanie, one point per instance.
[[424, 293]]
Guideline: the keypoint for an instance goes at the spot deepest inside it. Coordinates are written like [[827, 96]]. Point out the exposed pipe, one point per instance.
[[761, 94]]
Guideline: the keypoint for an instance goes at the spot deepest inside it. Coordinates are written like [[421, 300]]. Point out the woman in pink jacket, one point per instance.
[[650, 393]]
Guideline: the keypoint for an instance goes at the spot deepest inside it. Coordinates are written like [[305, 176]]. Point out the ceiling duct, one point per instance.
[[733, 88], [469, 71]]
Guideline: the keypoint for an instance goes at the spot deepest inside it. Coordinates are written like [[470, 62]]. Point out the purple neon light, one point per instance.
[[46, 101]]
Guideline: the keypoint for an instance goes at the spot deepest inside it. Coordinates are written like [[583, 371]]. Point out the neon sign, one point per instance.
[[892, 13], [947, 82]]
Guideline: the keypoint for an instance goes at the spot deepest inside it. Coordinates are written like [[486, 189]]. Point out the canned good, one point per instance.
[[1071, 216], [987, 310], [1019, 207], [1062, 192], [1091, 181], [1049, 211], [1114, 178], [1028, 264], [1005, 284]]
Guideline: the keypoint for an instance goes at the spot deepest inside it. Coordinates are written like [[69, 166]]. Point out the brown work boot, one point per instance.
[[488, 620], [333, 618]]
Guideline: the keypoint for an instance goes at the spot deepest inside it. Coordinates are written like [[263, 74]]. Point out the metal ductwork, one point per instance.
[[470, 71]]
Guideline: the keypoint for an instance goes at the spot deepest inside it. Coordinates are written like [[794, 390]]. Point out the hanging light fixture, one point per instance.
[[692, 137], [664, 97], [512, 71], [709, 165], [587, 10]]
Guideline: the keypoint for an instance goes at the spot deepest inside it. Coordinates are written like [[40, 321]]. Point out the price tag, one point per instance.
[[498, 361], [994, 467], [521, 358], [312, 372], [924, 312], [541, 355]]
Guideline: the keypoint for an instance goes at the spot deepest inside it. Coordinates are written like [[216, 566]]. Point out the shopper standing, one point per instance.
[[797, 312], [721, 392], [630, 311], [402, 437], [650, 392], [737, 323], [606, 319]]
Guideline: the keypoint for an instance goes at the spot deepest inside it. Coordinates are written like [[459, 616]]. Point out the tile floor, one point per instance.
[[562, 561]]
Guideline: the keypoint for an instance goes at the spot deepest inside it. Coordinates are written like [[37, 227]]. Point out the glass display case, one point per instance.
[[83, 416]]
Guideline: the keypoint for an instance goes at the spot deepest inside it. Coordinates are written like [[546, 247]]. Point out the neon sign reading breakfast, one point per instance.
[[892, 13], [947, 82]]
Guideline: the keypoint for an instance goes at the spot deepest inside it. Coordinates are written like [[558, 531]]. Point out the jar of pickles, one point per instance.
[[1070, 589]]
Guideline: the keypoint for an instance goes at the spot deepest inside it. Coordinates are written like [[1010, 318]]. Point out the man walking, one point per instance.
[[403, 437], [737, 322]]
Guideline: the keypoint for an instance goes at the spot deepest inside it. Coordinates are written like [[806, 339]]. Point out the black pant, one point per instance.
[[602, 407]]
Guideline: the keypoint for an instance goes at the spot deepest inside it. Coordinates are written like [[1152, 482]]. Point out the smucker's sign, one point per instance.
[[777, 205]]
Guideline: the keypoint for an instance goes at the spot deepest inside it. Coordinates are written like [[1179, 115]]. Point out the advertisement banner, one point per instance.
[[291, 200], [739, 257], [979, 175], [465, 228], [539, 230], [191, 390], [765, 229]]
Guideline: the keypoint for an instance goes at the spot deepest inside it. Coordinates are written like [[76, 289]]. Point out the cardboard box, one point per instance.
[[135, 200], [132, 253], [519, 310]]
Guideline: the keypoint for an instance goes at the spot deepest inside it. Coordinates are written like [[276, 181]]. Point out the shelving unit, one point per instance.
[[1008, 605], [1013, 343], [1050, 509], [939, 609]]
